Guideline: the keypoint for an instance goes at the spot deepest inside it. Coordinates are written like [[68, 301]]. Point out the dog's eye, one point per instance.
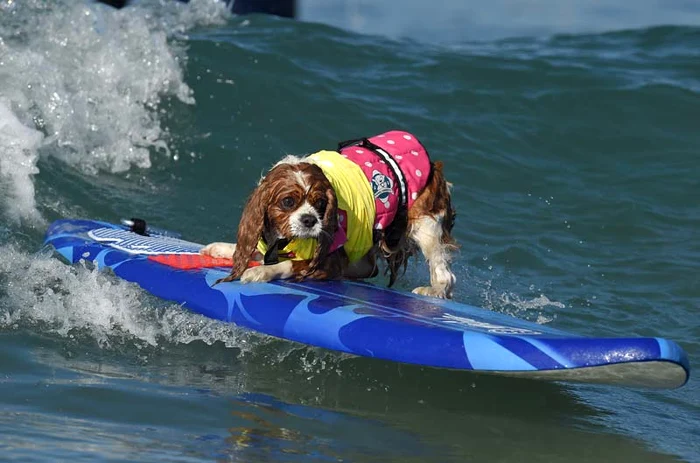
[[288, 202], [321, 204]]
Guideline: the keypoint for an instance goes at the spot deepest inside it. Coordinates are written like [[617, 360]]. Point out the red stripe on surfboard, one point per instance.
[[194, 261], [190, 261]]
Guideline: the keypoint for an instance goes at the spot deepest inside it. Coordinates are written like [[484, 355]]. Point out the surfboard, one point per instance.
[[368, 320]]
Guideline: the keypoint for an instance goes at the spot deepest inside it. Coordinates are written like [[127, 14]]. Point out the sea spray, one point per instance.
[[83, 83]]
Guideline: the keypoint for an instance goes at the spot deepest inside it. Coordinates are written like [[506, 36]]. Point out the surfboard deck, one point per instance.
[[367, 320]]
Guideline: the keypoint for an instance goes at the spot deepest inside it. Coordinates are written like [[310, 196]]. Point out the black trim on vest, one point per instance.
[[388, 159]]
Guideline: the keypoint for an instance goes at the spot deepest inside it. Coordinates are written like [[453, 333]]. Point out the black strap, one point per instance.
[[388, 159], [272, 254]]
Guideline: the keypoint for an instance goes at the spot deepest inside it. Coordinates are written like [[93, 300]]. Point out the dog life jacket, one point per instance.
[[397, 167], [372, 178]]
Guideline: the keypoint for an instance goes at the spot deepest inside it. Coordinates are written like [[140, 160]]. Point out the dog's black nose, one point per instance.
[[309, 220]]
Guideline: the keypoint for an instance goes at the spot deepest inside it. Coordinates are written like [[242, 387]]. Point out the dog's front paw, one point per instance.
[[432, 291], [257, 275], [219, 250]]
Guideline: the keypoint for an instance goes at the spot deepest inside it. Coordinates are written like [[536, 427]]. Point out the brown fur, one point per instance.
[[263, 210]]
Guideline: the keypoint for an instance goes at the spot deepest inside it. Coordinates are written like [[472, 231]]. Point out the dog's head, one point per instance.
[[294, 200]]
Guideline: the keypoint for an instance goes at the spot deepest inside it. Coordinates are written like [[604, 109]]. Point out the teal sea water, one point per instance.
[[574, 159]]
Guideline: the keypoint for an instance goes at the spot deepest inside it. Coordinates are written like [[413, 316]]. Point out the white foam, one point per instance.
[[518, 306], [534, 309], [43, 292], [535, 303], [18, 148], [90, 79]]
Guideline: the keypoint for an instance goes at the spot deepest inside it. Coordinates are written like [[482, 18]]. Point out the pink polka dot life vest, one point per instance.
[[397, 167]]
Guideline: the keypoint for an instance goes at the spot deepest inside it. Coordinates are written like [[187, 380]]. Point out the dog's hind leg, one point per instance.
[[430, 221], [431, 236]]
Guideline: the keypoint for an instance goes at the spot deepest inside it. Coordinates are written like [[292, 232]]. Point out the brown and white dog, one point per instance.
[[331, 214]]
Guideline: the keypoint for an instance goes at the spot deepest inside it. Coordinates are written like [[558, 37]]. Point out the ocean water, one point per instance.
[[574, 156]]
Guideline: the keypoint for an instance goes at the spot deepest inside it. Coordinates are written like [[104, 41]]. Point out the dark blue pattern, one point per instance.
[[529, 353], [405, 342], [268, 310], [322, 305]]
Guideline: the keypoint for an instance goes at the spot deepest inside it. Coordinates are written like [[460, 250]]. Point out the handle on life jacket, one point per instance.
[[355, 142]]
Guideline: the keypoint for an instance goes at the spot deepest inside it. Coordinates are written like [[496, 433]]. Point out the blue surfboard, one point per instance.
[[367, 320]]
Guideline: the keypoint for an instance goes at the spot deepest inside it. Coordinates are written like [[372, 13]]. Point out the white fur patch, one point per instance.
[[427, 233], [297, 226], [292, 160], [302, 181], [289, 159]]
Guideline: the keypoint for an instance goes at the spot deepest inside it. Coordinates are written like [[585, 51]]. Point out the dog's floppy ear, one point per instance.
[[329, 227], [250, 229]]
